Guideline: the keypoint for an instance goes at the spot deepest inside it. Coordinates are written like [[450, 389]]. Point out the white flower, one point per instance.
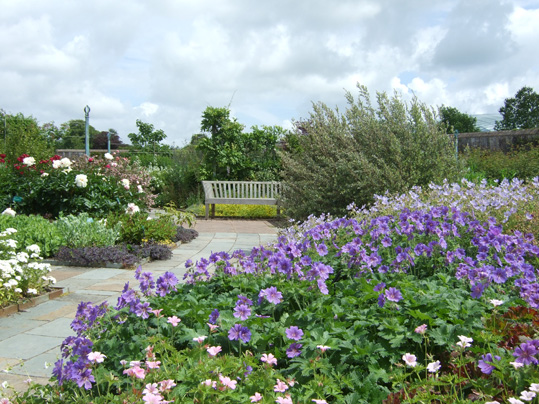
[[464, 342], [9, 212], [132, 208], [18, 290], [81, 180], [96, 357], [34, 248], [140, 190], [534, 387], [10, 230], [515, 400], [496, 302], [527, 395], [65, 162], [125, 183], [45, 174], [434, 366], [516, 365], [56, 164], [108, 156], [409, 359], [32, 291], [29, 161]]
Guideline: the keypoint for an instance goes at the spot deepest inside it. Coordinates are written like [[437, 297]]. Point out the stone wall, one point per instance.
[[502, 140]]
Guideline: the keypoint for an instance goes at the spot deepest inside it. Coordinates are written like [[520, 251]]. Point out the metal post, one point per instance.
[[457, 146], [87, 129], [108, 141]]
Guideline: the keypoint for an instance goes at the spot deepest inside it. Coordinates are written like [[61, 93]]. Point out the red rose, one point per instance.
[[3, 156]]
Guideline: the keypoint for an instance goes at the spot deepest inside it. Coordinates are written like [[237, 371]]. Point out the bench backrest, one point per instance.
[[241, 189]]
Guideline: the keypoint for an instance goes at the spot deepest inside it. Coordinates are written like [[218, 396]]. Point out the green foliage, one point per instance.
[[148, 139], [179, 217], [454, 120], [231, 154], [137, 228], [22, 135], [520, 163], [350, 156], [34, 230], [72, 134], [521, 111], [83, 231], [243, 211]]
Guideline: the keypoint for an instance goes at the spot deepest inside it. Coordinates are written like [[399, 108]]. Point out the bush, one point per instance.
[[350, 156], [49, 187], [34, 230], [138, 227], [520, 162], [184, 235], [84, 231]]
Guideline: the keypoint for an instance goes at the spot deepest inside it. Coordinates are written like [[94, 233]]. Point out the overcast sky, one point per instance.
[[165, 61]]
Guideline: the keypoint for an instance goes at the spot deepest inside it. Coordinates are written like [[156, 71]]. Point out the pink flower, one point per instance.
[[153, 364], [166, 384], [464, 342], [152, 398], [136, 371], [284, 400], [280, 387], [151, 388], [323, 348], [269, 359], [200, 339], [174, 321], [96, 357], [256, 398], [319, 401], [227, 382], [409, 359], [157, 312], [422, 329], [214, 350], [209, 383], [213, 327]]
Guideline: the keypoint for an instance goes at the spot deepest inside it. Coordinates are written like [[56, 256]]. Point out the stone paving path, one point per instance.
[[30, 340]]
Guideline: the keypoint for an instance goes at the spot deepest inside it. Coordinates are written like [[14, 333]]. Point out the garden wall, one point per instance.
[[502, 140]]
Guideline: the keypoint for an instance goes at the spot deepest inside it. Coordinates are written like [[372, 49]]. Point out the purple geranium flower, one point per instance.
[[393, 295], [294, 333], [272, 295], [321, 249], [294, 350], [214, 316], [525, 354], [239, 332], [242, 311], [485, 363]]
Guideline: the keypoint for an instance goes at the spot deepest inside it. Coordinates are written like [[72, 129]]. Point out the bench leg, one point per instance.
[[207, 211], [213, 210]]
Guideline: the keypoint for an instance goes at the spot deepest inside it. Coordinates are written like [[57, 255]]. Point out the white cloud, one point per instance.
[[165, 62]]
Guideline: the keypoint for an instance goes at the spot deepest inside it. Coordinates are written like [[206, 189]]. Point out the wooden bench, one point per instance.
[[240, 193]]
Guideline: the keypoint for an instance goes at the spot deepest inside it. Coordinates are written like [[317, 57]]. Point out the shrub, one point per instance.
[[184, 235], [350, 156], [138, 227], [83, 231], [96, 186], [34, 230]]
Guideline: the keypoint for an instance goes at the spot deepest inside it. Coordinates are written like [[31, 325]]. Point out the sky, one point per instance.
[[165, 61]]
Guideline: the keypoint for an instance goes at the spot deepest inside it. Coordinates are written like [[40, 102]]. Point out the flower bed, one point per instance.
[[420, 305]]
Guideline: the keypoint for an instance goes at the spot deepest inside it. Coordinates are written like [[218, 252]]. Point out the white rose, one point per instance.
[[65, 162], [29, 161], [125, 183], [9, 212], [108, 156]]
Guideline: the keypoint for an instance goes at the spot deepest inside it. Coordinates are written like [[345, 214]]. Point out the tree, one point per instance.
[[100, 140], [345, 157], [21, 134], [148, 139], [72, 134], [520, 112], [232, 154], [455, 120]]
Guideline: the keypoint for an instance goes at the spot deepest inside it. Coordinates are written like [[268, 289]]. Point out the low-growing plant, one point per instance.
[[242, 211], [83, 231], [22, 275], [413, 306], [33, 229], [184, 235], [137, 227]]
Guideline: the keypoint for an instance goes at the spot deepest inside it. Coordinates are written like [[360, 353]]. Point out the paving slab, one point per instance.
[[26, 346], [59, 327]]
